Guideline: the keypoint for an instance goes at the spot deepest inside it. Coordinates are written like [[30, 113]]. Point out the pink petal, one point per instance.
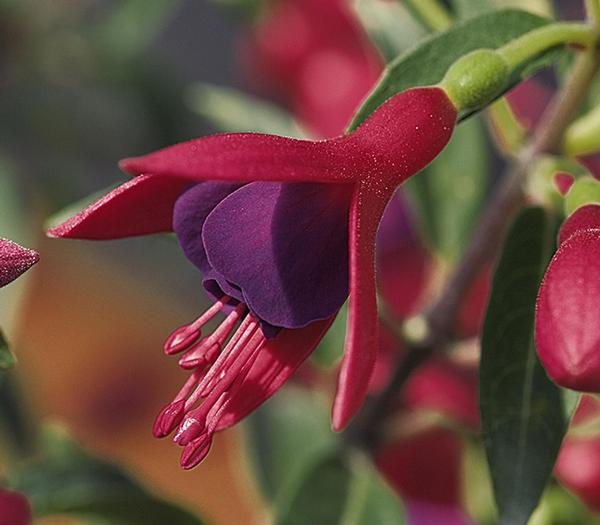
[[245, 157], [14, 260], [368, 205], [141, 206], [14, 508], [277, 360], [585, 218]]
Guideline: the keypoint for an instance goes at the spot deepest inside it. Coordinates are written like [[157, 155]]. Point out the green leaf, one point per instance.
[[523, 419], [229, 109], [7, 358], [389, 25], [67, 480], [428, 62], [450, 192], [333, 492], [285, 435]]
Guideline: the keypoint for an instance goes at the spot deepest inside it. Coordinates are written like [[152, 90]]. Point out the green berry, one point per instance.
[[476, 78]]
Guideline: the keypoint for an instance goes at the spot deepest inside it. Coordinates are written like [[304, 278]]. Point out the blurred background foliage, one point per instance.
[[84, 83]]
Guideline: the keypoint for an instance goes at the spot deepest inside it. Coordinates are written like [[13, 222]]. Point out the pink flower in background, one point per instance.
[[14, 508], [316, 57], [14, 261], [425, 467], [282, 239]]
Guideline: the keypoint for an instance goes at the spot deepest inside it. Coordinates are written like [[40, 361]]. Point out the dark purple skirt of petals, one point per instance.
[[189, 214], [284, 245]]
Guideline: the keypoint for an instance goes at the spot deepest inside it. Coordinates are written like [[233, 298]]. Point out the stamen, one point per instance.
[[172, 414], [216, 374], [216, 339], [195, 421], [168, 419], [233, 351], [186, 335], [195, 451]]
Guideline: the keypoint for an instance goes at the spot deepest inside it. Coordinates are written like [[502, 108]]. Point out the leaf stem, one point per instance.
[[530, 44]]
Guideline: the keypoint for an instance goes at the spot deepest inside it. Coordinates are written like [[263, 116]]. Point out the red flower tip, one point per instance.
[[563, 182], [14, 508], [585, 218], [14, 261], [128, 165], [195, 451], [168, 419], [567, 333]]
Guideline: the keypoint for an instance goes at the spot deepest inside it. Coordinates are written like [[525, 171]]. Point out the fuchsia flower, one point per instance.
[[317, 57], [281, 240], [14, 260], [567, 331]]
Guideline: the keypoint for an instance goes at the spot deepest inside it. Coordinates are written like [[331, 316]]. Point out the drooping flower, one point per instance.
[[315, 55], [567, 333], [282, 232], [14, 260]]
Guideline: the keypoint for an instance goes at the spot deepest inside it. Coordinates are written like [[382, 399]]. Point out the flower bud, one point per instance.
[[567, 332], [585, 218], [476, 78]]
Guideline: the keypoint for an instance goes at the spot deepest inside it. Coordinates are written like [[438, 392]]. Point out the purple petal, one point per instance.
[[189, 214], [286, 247], [14, 260]]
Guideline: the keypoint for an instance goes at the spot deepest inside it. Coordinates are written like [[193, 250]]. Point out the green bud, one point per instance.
[[585, 190], [476, 78]]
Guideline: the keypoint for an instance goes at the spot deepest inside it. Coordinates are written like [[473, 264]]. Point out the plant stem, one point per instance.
[[485, 242], [546, 37], [432, 14], [593, 10]]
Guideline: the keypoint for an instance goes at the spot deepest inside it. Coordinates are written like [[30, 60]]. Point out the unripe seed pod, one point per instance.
[[476, 78]]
